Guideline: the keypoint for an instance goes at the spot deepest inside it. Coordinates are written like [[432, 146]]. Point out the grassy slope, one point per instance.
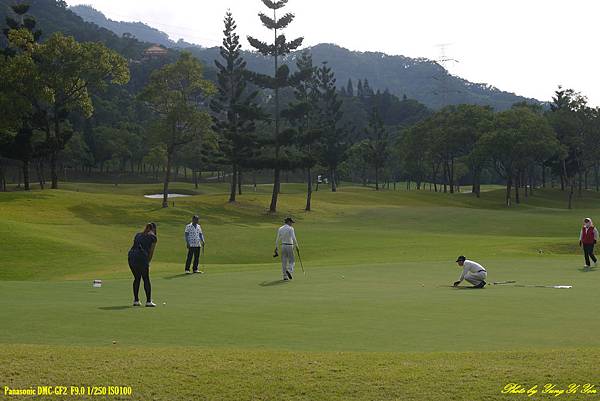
[[394, 251], [75, 235]]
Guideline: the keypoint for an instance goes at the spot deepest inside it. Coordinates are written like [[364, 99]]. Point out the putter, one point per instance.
[[545, 286], [504, 282], [300, 260], [203, 262]]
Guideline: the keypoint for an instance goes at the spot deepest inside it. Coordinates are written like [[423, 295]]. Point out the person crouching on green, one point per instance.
[[472, 272]]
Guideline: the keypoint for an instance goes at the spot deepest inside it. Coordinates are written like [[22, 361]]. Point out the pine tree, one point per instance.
[[367, 90], [303, 116], [350, 88], [281, 79], [234, 110], [26, 23], [359, 89], [334, 134], [378, 144]]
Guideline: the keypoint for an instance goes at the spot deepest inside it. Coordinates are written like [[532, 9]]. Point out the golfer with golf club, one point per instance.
[[139, 258], [587, 240], [287, 237], [194, 239], [472, 272]]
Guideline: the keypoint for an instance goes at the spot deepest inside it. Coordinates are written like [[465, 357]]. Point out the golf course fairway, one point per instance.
[[374, 316]]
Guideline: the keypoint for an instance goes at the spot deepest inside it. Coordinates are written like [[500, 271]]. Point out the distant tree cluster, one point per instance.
[[526, 147]]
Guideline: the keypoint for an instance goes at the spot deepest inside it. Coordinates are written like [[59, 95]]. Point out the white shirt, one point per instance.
[[193, 235], [286, 235], [470, 267]]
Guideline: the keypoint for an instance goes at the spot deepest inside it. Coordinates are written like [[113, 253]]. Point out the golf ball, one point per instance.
[[114, 342], [164, 303]]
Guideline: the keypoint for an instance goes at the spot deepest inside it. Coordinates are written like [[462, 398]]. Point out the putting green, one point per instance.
[[397, 307], [376, 290]]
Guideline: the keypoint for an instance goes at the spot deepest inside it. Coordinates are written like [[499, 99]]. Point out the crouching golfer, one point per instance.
[[194, 239], [287, 237], [473, 272], [139, 257], [587, 240]]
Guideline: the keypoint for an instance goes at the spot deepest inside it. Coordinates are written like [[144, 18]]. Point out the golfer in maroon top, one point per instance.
[[587, 240]]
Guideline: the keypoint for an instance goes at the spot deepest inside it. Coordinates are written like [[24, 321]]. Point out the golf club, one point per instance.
[[504, 282], [203, 262], [545, 286], [300, 260]]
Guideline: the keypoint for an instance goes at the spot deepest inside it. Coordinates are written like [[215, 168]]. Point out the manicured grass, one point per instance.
[[174, 373], [398, 307], [373, 319], [75, 235]]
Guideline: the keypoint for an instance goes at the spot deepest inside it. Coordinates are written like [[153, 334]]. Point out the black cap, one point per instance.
[[289, 220], [461, 259], [195, 217]]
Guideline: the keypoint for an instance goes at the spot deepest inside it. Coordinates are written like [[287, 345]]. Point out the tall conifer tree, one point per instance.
[[281, 79], [303, 115], [350, 88], [368, 91], [359, 89], [378, 144], [334, 134], [234, 109]]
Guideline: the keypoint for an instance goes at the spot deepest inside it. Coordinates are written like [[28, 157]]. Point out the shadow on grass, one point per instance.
[[587, 270], [460, 287], [115, 307], [105, 215], [272, 283], [176, 276], [17, 193]]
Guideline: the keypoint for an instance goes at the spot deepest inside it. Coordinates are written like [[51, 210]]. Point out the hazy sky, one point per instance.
[[524, 46]]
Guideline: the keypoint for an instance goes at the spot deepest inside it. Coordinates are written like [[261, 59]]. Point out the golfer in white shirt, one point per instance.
[[194, 239], [472, 272], [287, 237]]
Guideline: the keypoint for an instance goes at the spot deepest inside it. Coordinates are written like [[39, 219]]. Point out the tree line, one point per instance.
[[82, 106], [98, 110], [526, 146]]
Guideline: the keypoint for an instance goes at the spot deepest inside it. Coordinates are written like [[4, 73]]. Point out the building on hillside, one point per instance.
[[154, 52]]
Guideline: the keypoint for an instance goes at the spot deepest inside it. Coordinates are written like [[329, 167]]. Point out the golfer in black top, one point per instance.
[[139, 258]]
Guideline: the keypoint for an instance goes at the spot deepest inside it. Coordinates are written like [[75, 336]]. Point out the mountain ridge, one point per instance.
[[138, 29], [418, 78]]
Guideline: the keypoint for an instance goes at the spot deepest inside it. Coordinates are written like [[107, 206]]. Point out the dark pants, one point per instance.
[[141, 271], [588, 253], [195, 253]]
